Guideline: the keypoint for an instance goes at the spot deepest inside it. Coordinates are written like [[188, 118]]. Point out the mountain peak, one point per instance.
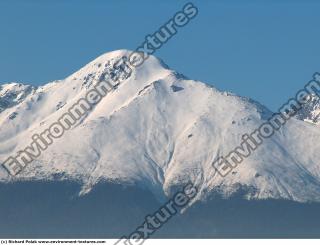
[[111, 61]]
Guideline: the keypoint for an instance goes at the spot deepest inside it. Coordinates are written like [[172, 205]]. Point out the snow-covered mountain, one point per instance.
[[13, 94], [158, 130], [310, 111]]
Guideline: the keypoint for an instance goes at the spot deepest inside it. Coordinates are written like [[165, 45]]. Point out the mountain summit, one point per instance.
[[157, 130]]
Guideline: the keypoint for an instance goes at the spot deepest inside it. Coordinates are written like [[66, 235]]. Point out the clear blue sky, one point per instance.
[[265, 50]]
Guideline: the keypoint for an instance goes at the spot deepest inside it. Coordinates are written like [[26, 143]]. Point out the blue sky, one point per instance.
[[266, 50]]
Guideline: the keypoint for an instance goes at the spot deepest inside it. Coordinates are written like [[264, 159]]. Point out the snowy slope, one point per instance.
[[158, 130]]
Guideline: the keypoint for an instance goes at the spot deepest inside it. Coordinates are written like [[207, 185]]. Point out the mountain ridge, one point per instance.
[[159, 129]]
